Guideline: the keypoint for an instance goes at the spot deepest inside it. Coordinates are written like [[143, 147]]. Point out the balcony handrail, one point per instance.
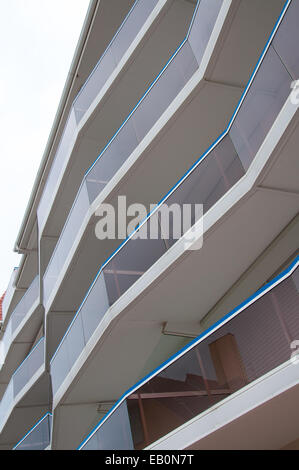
[[182, 179], [47, 415], [216, 326]]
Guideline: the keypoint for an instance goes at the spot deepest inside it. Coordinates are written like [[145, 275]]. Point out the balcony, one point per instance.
[[117, 48], [9, 294], [213, 175], [159, 36], [156, 100], [25, 305], [26, 397], [248, 343], [205, 100], [120, 43], [38, 438], [20, 378], [20, 330]]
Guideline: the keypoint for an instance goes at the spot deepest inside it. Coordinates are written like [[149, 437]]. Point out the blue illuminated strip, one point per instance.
[[236, 311], [193, 167], [32, 429]]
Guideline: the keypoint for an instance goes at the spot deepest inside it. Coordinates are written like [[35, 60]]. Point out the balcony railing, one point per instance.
[[248, 343], [9, 294], [207, 181], [20, 379], [38, 438], [24, 306], [156, 100], [120, 43]]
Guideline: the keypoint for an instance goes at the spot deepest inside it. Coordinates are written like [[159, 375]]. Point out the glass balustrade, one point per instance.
[[245, 345], [156, 100], [38, 438], [120, 43], [207, 181], [21, 310], [9, 294], [20, 379]]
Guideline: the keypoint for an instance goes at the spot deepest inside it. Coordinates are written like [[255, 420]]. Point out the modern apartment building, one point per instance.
[[134, 342]]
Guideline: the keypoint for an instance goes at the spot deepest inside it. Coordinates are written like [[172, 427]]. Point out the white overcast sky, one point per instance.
[[37, 42]]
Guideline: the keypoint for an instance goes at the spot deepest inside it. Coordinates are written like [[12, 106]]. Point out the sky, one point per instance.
[[37, 43]]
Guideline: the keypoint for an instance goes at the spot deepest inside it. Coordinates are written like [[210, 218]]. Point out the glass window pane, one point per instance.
[[268, 93]]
